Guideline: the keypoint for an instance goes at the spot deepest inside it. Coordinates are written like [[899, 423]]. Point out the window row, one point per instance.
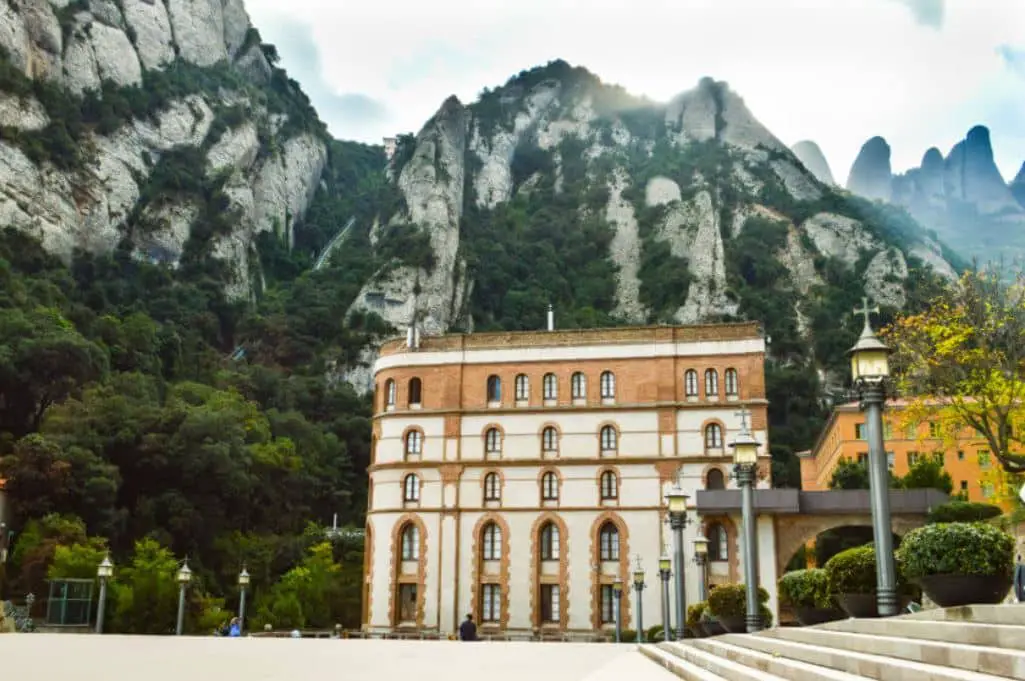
[[608, 441], [731, 383], [608, 487], [550, 387]]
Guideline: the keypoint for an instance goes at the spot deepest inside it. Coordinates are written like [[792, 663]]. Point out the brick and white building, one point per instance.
[[515, 475]]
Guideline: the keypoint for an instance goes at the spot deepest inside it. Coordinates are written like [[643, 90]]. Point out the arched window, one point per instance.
[[609, 485], [411, 488], [690, 383], [549, 487], [550, 387], [608, 440], [550, 542], [608, 385], [389, 393], [522, 388], [718, 543], [492, 442], [549, 439], [715, 479], [608, 542], [414, 443], [415, 391], [494, 389], [492, 487], [492, 540], [578, 386], [732, 383], [410, 542], [711, 383], [713, 436]]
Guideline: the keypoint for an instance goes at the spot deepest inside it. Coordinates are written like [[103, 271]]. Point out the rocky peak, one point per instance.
[[972, 176], [1018, 186], [713, 111], [811, 156], [870, 174]]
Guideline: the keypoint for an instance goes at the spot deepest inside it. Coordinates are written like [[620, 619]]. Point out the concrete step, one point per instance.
[[1005, 614], [865, 665], [973, 658], [751, 662], [967, 633], [678, 665]]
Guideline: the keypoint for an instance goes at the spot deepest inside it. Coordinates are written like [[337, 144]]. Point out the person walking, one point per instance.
[[468, 630], [1019, 581], [235, 628]]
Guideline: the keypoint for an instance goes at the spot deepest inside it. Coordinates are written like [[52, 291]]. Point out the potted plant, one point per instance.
[[851, 578], [728, 604], [959, 563], [694, 613], [807, 592], [710, 624]]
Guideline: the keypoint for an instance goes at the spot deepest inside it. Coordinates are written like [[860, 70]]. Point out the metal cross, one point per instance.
[[743, 414], [866, 311]]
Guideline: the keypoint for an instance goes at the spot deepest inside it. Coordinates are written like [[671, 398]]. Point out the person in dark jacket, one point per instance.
[[1019, 581], [468, 630]]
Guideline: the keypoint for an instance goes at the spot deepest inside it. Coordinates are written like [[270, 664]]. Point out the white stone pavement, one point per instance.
[[56, 657]]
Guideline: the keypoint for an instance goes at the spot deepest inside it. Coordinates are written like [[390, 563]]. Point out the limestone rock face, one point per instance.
[[811, 156], [1018, 186], [971, 175], [625, 250], [24, 114], [871, 175], [152, 26]]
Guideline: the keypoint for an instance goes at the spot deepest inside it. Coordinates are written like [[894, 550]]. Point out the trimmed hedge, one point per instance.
[[963, 512], [957, 549], [852, 571], [806, 589], [695, 613], [730, 601]]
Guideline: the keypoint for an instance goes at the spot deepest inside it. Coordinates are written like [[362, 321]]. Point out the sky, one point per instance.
[[918, 72]]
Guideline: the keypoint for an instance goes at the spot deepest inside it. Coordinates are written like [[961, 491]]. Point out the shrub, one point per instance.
[[805, 589], [957, 549], [730, 601], [962, 512], [627, 636], [852, 571], [694, 614], [654, 634]]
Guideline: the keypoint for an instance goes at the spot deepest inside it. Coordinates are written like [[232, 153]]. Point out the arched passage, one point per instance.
[[794, 532]]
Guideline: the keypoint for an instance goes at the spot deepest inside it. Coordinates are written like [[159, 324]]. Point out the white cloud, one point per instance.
[[835, 71]]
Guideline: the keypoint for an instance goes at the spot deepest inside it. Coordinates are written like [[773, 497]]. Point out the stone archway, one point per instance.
[[794, 531]]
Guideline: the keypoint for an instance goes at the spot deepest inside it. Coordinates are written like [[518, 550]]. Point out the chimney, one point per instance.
[[551, 318]]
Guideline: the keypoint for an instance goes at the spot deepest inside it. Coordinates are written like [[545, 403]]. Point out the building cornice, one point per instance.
[[569, 408], [575, 461]]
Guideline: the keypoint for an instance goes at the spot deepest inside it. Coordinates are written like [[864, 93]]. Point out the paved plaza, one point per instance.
[[55, 657]]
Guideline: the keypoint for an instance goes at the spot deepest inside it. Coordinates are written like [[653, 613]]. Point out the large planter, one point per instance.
[[948, 591], [712, 627], [734, 625], [809, 617], [859, 605]]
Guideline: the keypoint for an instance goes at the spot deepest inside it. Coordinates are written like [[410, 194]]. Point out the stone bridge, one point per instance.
[[801, 516]]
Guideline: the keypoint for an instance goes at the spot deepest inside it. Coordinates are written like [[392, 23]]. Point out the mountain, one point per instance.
[[961, 197], [1018, 186], [809, 154]]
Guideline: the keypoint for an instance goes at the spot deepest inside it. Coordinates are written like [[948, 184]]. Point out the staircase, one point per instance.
[[973, 643]]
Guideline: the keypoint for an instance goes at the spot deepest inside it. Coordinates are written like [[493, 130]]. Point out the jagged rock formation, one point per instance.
[[1018, 186], [962, 196], [870, 175], [263, 155], [811, 156]]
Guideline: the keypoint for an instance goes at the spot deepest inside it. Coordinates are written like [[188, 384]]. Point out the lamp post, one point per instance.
[[664, 571], [745, 459], [869, 369], [243, 584], [104, 571], [676, 499], [701, 559], [617, 592], [639, 588], [184, 577]]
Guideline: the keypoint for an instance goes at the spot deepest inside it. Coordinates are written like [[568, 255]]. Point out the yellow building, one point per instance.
[[965, 455]]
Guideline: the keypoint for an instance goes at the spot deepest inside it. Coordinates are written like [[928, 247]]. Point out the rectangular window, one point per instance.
[[863, 458], [960, 455], [912, 458], [964, 485], [934, 430], [407, 602], [911, 432], [891, 459], [987, 490], [490, 603], [938, 457], [983, 458], [608, 604], [859, 431], [550, 603], [888, 430]]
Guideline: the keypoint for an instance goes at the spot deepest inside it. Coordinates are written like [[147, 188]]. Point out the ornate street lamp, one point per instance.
[[745, 460], [870, 369], [665, 567], [639, 588], [184, 577], [243, 584], [104, 571], [617, 592], [701, 559], [676, 500]]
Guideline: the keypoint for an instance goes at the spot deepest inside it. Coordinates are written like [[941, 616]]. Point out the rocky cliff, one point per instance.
[[1018, 186], [162, 125], [809, 154], [961, 196]]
